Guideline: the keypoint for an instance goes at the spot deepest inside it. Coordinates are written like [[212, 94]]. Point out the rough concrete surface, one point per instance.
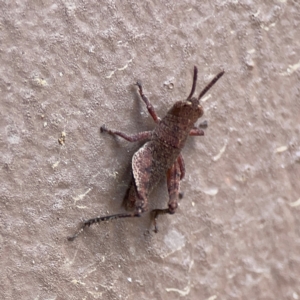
[[67, 67]]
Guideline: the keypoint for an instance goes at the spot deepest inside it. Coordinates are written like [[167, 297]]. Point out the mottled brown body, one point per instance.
[[160, 155]]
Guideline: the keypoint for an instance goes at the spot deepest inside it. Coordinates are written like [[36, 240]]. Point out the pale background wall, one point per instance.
[[70, 66]]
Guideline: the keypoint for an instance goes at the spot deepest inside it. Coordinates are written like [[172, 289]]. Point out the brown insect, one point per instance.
[[159, 156]]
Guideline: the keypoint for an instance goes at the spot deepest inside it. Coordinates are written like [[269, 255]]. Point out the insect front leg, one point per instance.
[[196, 132], [173, 180], [150, 107], [141, 136]]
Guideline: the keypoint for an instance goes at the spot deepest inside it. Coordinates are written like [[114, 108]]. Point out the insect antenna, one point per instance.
[[194, 83], [210, 84]]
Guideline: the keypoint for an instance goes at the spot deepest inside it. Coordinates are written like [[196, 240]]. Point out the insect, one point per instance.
[[159, 156]]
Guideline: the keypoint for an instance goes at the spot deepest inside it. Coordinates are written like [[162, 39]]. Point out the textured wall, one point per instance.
[[68, 67]]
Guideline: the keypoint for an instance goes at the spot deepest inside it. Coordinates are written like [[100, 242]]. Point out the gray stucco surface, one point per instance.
[[68, 67]]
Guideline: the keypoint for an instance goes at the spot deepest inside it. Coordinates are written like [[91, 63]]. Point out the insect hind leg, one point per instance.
[[129, 199], [174, 176]]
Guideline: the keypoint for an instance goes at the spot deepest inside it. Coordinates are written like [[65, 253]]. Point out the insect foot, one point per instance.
[[160, 155]]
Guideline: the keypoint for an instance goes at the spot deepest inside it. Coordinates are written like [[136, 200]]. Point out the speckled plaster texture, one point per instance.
[[67, 67]]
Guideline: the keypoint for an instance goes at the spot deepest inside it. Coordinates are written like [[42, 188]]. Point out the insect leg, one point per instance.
[[141, 136], [150, 107], [173, 179], [89, 222], [130, 197], [180, 161], [196, 132]]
